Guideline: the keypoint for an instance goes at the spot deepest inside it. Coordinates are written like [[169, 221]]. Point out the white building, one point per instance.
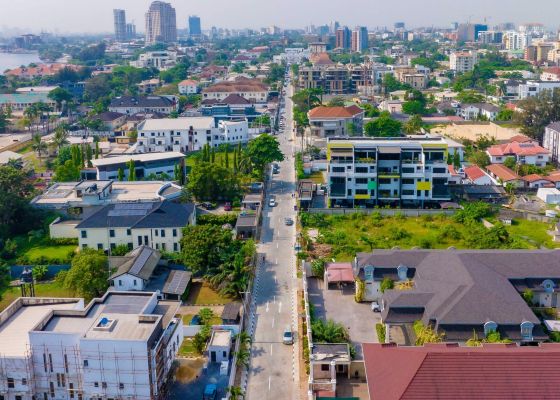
[[292, 55], [158, 225], [253, 90], [131, 105], [156, 59], [120, 346], [463, 61], [189, 134], [533, 88], [188, 86], [551, 140], [134, 270], [158, 164], [513, 40], [219, 345]]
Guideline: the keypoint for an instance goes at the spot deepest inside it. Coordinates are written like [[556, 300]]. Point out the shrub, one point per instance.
[[219, 220], [40, 272], [318, 268], [360, 287], [205, 315], [426, 243], [399, 234], [380, 328], [120, 250], [528, 296], [386, 284]]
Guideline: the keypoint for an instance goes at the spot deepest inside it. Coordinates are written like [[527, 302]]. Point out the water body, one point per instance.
[[12, 60]]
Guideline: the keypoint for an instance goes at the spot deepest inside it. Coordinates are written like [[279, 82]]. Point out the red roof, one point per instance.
[[335, 112], [552, 70], [188, 82], [535, 178], [554, 176], [520, 139], [339, 272], [450, 372], [502, 172], [474, 172], [516, 148]]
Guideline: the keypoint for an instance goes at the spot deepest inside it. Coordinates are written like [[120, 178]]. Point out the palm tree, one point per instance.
[[235, 393], [329, 332], [244, 338], [60, 137], [31, 113], [243, 356], [38, 145]]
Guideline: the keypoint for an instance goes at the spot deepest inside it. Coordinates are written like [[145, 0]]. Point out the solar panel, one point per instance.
[[178, 283], [140, 261], [126, 213]]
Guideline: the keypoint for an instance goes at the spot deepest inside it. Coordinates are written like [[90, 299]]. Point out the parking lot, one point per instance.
[[339, 305]]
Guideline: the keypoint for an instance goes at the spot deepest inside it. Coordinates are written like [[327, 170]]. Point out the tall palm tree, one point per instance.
[[244, 338], [243, 356], [38, 145], [235, 393], [60, 137]]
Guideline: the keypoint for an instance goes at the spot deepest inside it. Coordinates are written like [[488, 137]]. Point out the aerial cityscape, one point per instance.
[[279, 201]]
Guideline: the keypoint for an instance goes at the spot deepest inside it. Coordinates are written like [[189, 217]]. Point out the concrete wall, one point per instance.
[[382, 211], [58, 230], [359, 367], [128, 282]]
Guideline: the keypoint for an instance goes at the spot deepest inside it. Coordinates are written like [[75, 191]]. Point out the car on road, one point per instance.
[[375, 306], [272, 203], [207, 206], [288, 221], [288, 336], [228, 207]]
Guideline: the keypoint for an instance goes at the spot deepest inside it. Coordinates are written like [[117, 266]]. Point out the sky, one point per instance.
[[96, 16]]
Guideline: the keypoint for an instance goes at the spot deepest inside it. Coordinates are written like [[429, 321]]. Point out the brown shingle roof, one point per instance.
[[241, 84], [335, 112], [502, 172]]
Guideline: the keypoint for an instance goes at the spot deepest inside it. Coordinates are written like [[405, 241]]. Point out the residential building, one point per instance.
[[411, 76], [130, 31], [534, 88], [513, 40], [131, 105], [551, 74], [461, 293], [111, 120], [502, 175], [39, 70], [469, 32], [336, 121], [490, 37], [119, 18], [156, 59], [360, 39], [538, 53], [471, 112], [161, 23], [463, 61], [551, 140], [133, 270], [18, 102], [188, 86], [149, 86], [121, 345], [317, 47], [76, 198], [536, 181], [441, 371], [476, 176], [328, 363], [157, 164], [336, 79], [219, 346], [253, 90], [524, 153], [232, 108], [194, 26], [293, 55], [158, 225], [392, 171], [189, 134], [343, 38]]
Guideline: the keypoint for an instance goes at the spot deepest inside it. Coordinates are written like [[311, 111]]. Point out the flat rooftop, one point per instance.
[[325, 352], [14, 340], [221, 338], [115, 316], [145, 157], [177, 124]]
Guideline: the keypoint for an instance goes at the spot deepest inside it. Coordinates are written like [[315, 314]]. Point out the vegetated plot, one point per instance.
[[50, 289], [202, 293]]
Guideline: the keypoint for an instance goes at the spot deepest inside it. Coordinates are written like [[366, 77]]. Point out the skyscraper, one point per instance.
[[161, 23], [194, 25], [343, 38], [119, 17], [130, 31], [359, 39]]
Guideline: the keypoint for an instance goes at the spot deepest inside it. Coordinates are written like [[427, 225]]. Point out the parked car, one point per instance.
[[375, 306], [207, 206], [288, 221], [272, 203], [228, 207], [288, 336]]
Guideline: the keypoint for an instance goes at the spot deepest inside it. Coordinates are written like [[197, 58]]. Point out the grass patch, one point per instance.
[[201, 293], [349, 234], [187, 348], [317, 177], [50, 289], [36, 253], [187, 318]]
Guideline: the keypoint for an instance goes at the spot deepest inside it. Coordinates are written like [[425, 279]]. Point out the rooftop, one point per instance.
[[177, 124], [449, 372], [139, 262], [141, 101], [146, 157], [221, 338], [335, 112], [327, 352], [502, 172]]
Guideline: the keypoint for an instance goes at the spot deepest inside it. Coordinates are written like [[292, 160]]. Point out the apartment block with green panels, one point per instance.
[[369, 172]]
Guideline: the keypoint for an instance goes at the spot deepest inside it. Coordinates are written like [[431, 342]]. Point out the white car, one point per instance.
[[288, 336], [375, 306], [272, 203]]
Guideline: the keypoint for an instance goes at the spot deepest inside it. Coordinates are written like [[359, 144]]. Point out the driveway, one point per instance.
[[339, 305]]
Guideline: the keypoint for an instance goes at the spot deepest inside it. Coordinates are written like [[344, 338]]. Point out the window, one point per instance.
[[104, 385], [111, 233], [96, 384], [45, 361], [121, 386], [71, 390], [175, 247], [157, 232], [128, 232], [361, 181], [86, 363], [129, 245], [139, 240], [99, 246], [134, 282], [83, 234], [325, 367], [11, 383], [66, 363], [50, 362], [45, 396], [361, 170], [18, 398], [174, 232], [51, 387], [163, 246], [120, 282], [113, 246], [24, 381], [162, 233]]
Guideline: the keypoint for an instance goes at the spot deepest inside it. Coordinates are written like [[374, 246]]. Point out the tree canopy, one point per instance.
[[210, 181], [89, 274], [384, 126]]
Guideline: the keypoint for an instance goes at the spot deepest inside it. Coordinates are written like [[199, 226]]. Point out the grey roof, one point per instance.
[[231, 311], [140, 262], [467, 287], [177, 282], [141, 101], [164, 214], [109, 116], [247, 220], [554, 125]]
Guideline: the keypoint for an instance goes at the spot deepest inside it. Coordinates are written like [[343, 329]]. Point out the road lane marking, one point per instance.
[[267, 306], [279, 307], [269, 381], [273, 322], [270, 348]]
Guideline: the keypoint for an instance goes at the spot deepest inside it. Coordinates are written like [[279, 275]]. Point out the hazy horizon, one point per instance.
[[62, 16]]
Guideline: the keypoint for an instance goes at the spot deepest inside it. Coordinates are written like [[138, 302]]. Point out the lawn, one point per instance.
[[342, 236], [317, 177], [201, 293], [187, 349], [51, 289], [41, 251]]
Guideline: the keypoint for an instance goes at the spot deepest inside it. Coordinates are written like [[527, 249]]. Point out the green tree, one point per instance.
[[426, 334], [386, 284], [60, 137], [236, 393], [384, 126], [4, 277], [89, 274], [60, 96], [38, 145], [413, 125], [479, 158], [212, 182], [40, 272], [131, 171], [120, 250], [470, 96], [457, 160], [89, 155], [205, 247], [120, 174], [329, 332], [528, 296], [3, 121], [337, 101], [206, 315], [263, 150], [318, 268]]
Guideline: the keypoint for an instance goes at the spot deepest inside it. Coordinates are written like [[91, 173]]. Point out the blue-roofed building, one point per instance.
[[20, 101]]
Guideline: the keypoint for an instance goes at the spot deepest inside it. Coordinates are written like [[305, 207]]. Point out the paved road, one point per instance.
[[274, 370]]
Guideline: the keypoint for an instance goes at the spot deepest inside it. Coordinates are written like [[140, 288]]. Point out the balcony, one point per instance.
[[337, 190], [365, 160], [341, 161]]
